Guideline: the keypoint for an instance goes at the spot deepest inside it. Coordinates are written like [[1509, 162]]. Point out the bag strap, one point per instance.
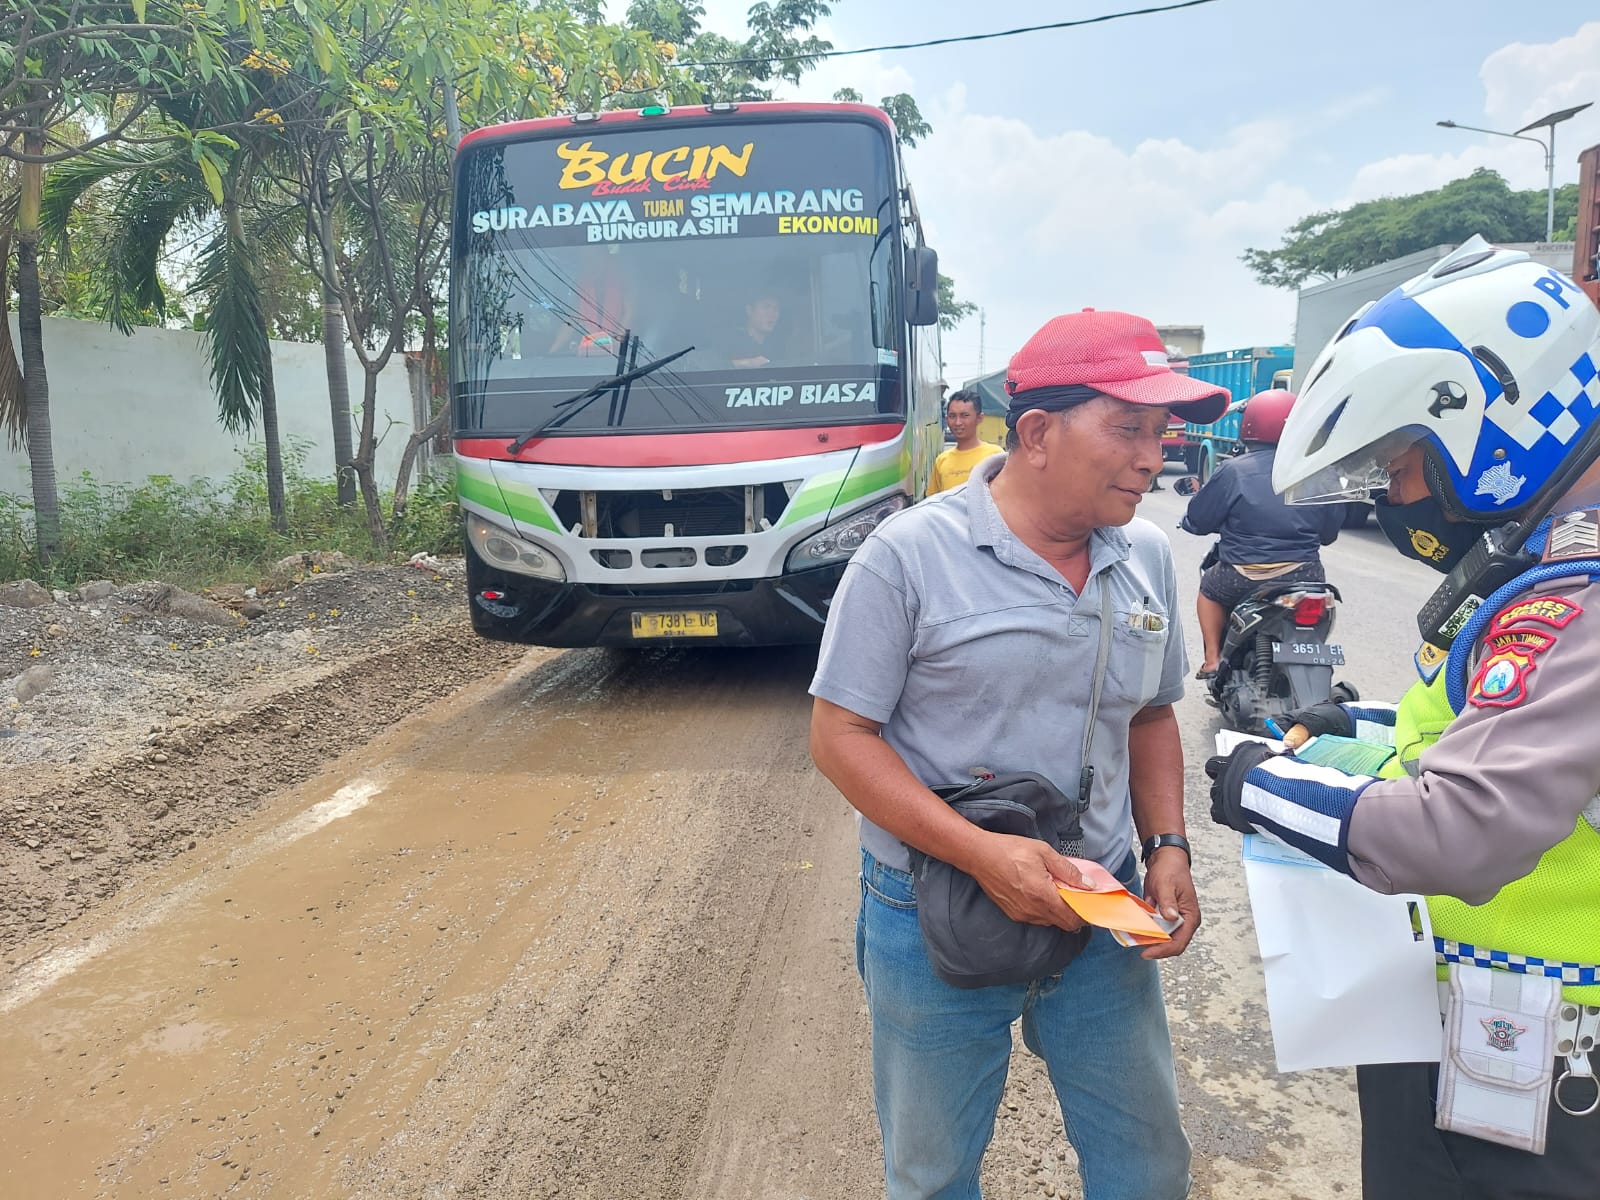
[[1086, 771]]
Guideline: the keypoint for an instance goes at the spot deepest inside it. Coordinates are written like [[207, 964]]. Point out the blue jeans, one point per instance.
[[940, 1055]]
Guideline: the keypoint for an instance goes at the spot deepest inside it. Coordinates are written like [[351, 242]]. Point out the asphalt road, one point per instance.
[[581, 930]]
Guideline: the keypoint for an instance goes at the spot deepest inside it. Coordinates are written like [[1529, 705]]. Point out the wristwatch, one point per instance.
[[1151, 845]]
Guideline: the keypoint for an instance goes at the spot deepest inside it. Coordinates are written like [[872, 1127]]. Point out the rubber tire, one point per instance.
[[1204, 468], [1355, 514], [1344, 693]]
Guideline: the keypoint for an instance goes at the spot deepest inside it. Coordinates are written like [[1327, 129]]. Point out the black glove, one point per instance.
[[1328, 717], [1227, 774]]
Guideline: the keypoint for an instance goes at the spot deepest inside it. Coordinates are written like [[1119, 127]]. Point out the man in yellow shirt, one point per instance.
[[950, 469]]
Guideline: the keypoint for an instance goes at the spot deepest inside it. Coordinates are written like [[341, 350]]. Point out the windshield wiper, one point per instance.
[[576, 404]]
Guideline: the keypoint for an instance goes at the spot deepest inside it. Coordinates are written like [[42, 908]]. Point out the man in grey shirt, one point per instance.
[[963, 637]]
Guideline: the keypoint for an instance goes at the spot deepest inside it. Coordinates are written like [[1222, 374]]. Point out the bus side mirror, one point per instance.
[[922, 286]]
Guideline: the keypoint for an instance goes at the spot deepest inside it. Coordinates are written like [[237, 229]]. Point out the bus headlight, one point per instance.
[[501, 548], [844, 537]]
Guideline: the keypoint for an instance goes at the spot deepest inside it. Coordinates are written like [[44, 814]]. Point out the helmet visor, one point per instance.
[[1357, 476]]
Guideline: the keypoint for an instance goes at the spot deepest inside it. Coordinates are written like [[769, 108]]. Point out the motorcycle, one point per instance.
[[1276, 657]]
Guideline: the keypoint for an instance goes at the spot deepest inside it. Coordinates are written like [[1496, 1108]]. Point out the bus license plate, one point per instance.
[[1313, 654], [674, 624]]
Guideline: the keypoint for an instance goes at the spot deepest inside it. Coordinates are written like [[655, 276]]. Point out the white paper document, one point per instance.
[[1348, 979], [1229, 740]]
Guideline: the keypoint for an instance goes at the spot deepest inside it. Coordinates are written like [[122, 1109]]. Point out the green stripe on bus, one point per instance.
[[861, 484], [816, 497], [528, 507], [480, 489]]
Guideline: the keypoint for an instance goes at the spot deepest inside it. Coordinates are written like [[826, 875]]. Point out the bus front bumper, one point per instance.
[[787, 610]]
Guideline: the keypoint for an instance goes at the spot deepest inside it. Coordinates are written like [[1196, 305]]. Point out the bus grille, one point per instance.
[[691, 514], [704, 512]]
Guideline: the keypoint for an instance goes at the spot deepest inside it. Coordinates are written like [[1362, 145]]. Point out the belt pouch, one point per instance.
[[1499, 1056]]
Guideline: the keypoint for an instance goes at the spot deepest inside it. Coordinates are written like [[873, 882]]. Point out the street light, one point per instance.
[[1521, 135]]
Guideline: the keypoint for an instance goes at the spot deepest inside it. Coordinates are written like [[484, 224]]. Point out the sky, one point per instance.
[[1128, 165]]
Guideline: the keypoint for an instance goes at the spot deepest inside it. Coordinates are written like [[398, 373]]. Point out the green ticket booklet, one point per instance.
[[1345, 754]]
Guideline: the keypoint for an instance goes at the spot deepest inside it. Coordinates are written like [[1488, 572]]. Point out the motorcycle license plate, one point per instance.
[[1311, 654]]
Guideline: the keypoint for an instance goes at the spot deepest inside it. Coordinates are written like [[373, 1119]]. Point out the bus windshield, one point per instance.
[[768, 248]]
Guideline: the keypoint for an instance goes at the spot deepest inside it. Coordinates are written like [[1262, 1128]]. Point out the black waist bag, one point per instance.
[[971, 943]]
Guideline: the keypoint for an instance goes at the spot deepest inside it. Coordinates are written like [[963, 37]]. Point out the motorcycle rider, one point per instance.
[[1467, 390], [1262, 539]]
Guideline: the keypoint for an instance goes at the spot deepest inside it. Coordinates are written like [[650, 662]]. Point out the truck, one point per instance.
[[695, 362], [1244, 372], [1586, 245]]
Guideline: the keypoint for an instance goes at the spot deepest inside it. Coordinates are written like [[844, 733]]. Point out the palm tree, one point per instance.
[[160, 192]]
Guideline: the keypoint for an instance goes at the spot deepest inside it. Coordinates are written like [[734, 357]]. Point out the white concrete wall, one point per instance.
[[125, 408]]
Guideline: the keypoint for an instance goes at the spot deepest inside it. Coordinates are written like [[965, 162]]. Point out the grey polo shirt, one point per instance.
[[973, 652]]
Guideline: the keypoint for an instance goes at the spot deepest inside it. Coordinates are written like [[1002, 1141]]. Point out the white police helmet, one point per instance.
[[1489, 360]]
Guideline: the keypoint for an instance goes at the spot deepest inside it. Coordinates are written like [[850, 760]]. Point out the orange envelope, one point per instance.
[[1108, 904]]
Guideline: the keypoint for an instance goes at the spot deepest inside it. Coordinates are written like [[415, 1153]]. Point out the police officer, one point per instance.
[[1471, 394]]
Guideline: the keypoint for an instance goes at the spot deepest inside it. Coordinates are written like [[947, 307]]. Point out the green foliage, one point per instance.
[[780, 37], [952, 311], [902, 109], [1327, 245], [432, 517], [201, 533]]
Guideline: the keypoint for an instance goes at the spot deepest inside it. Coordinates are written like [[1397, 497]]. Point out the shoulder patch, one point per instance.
[[1502, 678], [1429, 659], [1519, 633], [1573, 536], [1557, 612]]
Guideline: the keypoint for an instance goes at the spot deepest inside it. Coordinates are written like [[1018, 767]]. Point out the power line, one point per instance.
[[970, 37]]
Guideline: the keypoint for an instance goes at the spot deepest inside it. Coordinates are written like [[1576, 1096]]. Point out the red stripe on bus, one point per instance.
[[618, 116], [680, 449]]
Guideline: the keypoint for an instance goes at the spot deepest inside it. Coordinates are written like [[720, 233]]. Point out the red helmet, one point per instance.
[[1264, 415]]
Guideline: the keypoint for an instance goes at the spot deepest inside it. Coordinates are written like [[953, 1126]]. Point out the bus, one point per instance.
[[694, 363]]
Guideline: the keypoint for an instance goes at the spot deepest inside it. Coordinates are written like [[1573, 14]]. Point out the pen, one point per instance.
[[1273, 729]]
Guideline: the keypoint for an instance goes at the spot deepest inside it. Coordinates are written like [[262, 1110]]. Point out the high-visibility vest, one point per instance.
[[1551, 914]]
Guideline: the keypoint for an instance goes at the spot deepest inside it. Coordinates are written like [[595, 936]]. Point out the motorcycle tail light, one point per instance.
[[1308, 610]]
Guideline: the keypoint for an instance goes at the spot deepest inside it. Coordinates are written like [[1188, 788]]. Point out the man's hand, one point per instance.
[[1227, 774], [756, 360], [1020, 874], [1169, 887], [1328, 717]]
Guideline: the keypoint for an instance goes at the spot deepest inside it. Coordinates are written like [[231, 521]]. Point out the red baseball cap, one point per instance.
[[1117, 354]]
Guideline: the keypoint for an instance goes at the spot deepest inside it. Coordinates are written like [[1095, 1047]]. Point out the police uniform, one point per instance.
[[1493, 814]]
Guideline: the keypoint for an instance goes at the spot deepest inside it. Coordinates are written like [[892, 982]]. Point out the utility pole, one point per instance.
[[982, 320]]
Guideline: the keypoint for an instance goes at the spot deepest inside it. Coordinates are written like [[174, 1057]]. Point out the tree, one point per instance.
[[225, 185], [780, 49], [952, 311], [75, 75], [902, 110], [1327, 245], [388, 156]]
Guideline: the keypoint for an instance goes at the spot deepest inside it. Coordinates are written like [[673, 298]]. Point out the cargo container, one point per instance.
[[1243, 372]]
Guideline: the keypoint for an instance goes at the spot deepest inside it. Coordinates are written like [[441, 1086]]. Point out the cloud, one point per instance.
[[1032, 224], [1521, 83]]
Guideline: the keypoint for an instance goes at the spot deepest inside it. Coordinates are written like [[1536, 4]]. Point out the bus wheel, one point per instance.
[[1203, 470]]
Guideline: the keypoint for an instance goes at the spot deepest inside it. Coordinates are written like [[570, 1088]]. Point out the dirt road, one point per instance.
[[580, 929]]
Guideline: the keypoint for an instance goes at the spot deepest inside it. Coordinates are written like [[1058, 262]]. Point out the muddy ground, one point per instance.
[[414, 915]]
